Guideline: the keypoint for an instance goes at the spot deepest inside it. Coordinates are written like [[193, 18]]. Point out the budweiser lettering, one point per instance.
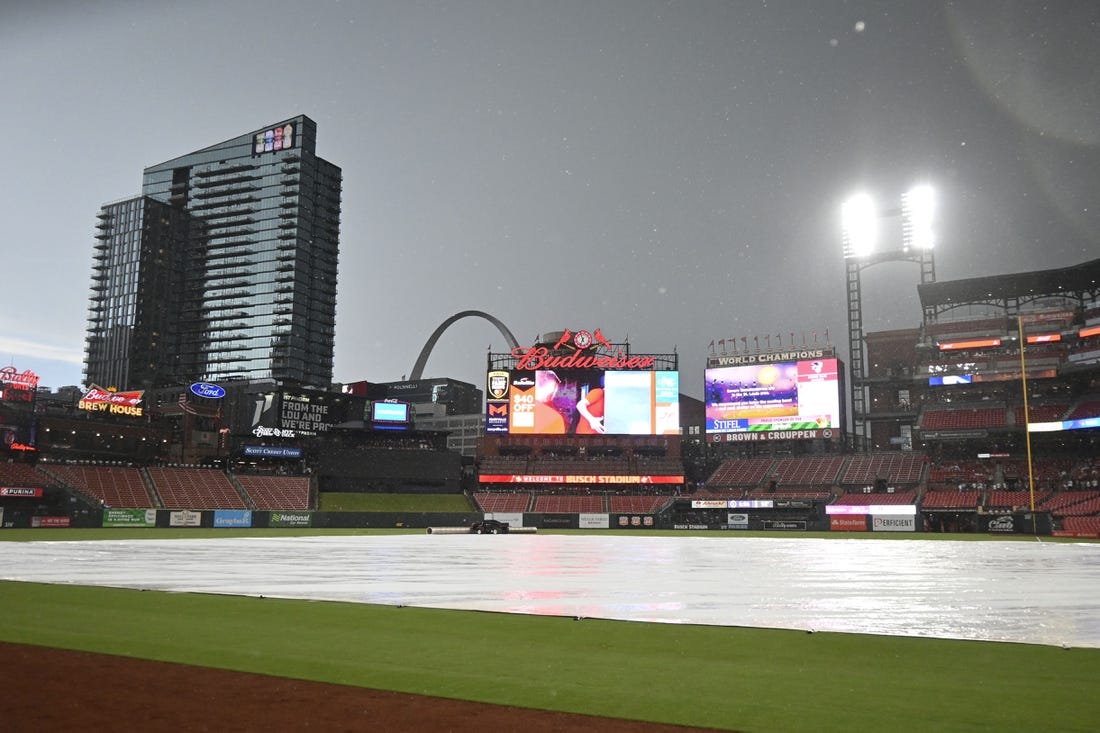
[[539, 357]]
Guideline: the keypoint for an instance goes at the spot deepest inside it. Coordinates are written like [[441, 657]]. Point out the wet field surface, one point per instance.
[[1034, 592]]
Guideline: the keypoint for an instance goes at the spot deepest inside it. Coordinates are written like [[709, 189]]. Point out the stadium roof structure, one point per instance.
[[1079, 282]]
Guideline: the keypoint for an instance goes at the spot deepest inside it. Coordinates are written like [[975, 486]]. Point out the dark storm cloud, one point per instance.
[[669, 172]]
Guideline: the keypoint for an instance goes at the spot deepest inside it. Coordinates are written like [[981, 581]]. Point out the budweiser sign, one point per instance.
[[25, 379], [97, 399], [539, 357]]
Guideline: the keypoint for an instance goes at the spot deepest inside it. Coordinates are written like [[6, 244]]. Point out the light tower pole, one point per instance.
[[860, 224]]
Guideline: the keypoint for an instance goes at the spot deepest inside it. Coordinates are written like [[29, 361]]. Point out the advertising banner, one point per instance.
[[232, 518], [583, 402], [289, 519], [129, 517], [271, 451], [185, 518], [634, 521], [492, 478], [894, 524], [594, 521], [514, 519], [20, 491], [795, 525], [738, 521], [846, 523], [792, 397], [97, 399], [50, 521]]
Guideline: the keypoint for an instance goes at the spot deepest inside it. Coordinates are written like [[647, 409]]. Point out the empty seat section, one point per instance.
[[740, 472], [808, 470], [276, 492], [951, 499], [195, 488], [638, 504], [555, 504], [115, 486], [492, 502]]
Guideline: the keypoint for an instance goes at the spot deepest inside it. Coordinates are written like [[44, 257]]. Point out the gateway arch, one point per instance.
[[422, 360]]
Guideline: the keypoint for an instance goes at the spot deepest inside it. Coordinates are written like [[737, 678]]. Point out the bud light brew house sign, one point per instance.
[[97, 399]]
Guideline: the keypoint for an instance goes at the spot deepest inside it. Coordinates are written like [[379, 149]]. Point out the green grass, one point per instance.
[[363, 502], [729, 678]]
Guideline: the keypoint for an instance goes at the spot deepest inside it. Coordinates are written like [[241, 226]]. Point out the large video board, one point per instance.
[[781, 396], [583, 402]]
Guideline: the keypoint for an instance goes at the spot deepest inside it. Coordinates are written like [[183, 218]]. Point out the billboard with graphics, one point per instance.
[[801, 396]]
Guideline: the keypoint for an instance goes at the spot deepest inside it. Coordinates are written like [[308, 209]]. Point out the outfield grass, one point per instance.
[[729, 678]]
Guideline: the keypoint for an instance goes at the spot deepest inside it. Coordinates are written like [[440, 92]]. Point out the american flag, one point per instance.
[[186, 406]]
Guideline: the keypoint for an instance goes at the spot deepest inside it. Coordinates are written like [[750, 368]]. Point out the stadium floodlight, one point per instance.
[[860, 223], [917, 210]]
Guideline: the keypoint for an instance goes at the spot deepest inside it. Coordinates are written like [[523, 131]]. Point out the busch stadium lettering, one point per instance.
[[539, 357]]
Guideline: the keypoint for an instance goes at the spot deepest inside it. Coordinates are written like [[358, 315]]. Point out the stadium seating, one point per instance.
[[983, 327], [658, 466], [951, 473], [195, 488], [21, 474], [740, 472], [947, 499], [504, 464], [719, 492], [808, 470], [494, 502], [1071, 503], [1084, 525], [556, 504], [1087, 408], [864, 499], [1040, 413], [638, 504], [964, 418], [817, 493], [1001, 499], [895, 468], [115, 486], [276, 492]]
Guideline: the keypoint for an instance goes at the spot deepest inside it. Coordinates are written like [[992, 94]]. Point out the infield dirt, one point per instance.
[[64, 690]]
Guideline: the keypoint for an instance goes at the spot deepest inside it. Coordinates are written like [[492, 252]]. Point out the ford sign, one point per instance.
[[209, 391]]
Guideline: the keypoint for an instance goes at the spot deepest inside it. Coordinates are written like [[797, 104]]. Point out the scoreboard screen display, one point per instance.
[[794, 395], [583, 402]]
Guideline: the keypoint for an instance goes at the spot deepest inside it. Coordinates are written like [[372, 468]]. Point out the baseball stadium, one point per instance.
[[896, 533]]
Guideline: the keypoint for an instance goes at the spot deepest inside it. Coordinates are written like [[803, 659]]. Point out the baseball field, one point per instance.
[[354, 666]]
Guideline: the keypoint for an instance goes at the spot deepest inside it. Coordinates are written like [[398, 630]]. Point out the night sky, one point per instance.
[[670, 172]]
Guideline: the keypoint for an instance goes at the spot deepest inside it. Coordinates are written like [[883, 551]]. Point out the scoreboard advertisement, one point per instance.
[[777, 400], [583, 402]]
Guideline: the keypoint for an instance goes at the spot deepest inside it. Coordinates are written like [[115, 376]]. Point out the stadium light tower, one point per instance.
[[860, 222]]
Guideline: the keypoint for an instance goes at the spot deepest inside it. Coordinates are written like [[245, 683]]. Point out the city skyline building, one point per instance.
[[225, 267]]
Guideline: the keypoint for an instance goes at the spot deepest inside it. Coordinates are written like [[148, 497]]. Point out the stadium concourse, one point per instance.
[[1031, 592]]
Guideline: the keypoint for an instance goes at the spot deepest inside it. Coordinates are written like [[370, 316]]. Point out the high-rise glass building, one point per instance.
[[224, 267]]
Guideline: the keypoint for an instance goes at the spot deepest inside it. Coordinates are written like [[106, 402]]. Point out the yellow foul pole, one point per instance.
[[1027, 413]]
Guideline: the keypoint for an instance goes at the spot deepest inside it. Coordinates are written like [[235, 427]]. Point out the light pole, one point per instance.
[[860, 221]]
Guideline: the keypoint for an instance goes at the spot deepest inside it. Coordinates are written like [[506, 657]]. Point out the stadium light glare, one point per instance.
[[918, 210], [860, 224]]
